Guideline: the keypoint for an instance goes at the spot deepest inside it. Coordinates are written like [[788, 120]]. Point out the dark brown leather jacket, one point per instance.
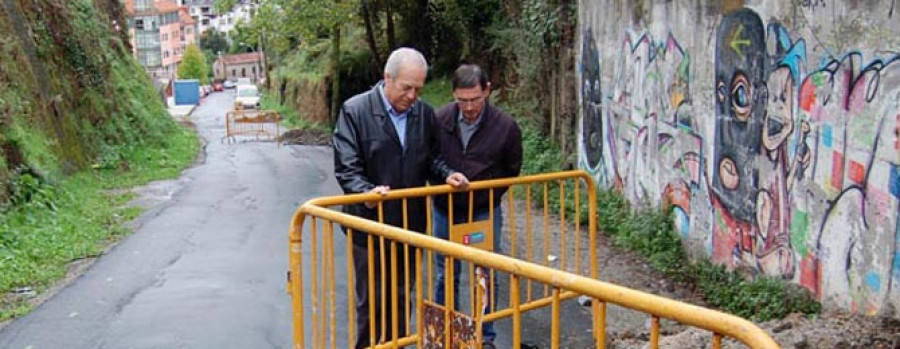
[[368, 153]]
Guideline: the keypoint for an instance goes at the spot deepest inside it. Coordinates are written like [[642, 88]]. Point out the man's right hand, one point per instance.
[[380, 190]]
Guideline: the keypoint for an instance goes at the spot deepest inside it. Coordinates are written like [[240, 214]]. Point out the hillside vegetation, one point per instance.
[[79, 117]]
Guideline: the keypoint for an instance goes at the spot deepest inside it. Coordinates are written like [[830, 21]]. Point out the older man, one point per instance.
[[383, 140]]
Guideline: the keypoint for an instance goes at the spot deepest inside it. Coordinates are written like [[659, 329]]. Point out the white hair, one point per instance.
[[402, 57]]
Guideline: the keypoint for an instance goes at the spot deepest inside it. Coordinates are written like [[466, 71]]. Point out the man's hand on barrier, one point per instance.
[[458, 180], [380, 190]]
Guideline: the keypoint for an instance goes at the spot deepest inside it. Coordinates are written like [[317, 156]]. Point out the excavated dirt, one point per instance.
[[306, 137]]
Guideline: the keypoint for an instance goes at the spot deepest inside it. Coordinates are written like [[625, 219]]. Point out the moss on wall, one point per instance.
[[71, 94]]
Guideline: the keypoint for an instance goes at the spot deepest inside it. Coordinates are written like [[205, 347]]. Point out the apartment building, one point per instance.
[[204, 12], [160, 31]]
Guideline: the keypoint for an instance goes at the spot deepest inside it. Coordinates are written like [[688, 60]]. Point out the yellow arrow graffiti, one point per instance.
[[737, 40]]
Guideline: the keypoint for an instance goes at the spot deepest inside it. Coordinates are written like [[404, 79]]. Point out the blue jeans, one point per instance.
[[442, 230]]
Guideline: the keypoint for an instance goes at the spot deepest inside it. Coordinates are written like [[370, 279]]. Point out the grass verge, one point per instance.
[[76, 218], [289, 116]]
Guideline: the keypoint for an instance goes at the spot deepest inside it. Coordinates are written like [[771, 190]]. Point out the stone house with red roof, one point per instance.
[[243, 65]]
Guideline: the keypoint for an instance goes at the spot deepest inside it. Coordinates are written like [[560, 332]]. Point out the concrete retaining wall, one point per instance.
[[771, 126]]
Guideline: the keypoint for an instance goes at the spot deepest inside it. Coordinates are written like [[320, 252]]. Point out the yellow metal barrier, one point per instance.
[[563, 261], [256, 123]]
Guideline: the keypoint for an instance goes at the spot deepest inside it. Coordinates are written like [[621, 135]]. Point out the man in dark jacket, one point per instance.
[[383, 140], [482, 142]]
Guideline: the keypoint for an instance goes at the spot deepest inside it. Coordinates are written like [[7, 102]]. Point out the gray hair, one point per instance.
[[402, 57]]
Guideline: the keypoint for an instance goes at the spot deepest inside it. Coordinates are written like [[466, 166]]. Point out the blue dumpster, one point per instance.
[[187, 92]]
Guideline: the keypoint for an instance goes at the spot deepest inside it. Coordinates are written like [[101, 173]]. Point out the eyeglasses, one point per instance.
[[470, 101]]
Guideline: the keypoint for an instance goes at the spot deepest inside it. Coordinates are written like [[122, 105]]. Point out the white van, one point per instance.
[[246, 97]]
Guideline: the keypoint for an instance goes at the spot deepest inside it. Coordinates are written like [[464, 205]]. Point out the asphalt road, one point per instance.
[[205, 267]]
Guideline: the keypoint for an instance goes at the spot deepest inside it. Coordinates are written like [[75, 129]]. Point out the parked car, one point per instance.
[[228, 84], [217, 86], [246, 97]]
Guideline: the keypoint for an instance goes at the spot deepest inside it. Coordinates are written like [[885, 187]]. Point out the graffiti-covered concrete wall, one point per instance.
[[772, 127]]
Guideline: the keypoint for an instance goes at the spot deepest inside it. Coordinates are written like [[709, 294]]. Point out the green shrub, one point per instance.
[[759, 299]]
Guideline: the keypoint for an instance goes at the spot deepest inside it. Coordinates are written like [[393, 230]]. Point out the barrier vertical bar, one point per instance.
[[448, 276], [511, 215], [600, 322], [654, 332], [562, 225], [717, 341], [528, 245], [577, 195], [478, 313], [429, 256], [420, 302], [490, 272], [395, 298], [554, 320], [383, 273], [329, 246], [517, 312], [351, 289], [296, 287], [370, 253], [547, 252], [315, 283], [406, 283]]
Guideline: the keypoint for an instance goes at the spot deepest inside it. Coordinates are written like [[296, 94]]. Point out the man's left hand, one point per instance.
[[458, 180]]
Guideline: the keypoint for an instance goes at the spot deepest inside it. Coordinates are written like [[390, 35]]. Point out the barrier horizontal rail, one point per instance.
[[564, 284]]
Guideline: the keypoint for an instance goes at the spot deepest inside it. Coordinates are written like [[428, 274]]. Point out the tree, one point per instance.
[[193, 65], [213, 41], [294, 21]]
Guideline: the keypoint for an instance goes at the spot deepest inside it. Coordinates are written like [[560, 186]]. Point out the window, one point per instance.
[[165, 37], [139, 24], [243, 72], [146, 39], [149, 58], [233, 72], [142, 5]]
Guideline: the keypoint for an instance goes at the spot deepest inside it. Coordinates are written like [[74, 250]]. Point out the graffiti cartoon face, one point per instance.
[[778, 122], [740, 96], [591, 123]]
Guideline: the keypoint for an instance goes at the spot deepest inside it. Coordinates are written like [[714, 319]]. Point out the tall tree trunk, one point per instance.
[[370, 36], [391, 36], [553, 101], [263, 45], [561, 73], [335, 72]]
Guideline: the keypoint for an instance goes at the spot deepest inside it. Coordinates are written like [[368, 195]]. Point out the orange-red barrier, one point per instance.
[[260, 124]]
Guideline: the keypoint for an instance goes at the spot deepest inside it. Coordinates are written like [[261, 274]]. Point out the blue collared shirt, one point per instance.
[[399, 120], [466, 129]]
